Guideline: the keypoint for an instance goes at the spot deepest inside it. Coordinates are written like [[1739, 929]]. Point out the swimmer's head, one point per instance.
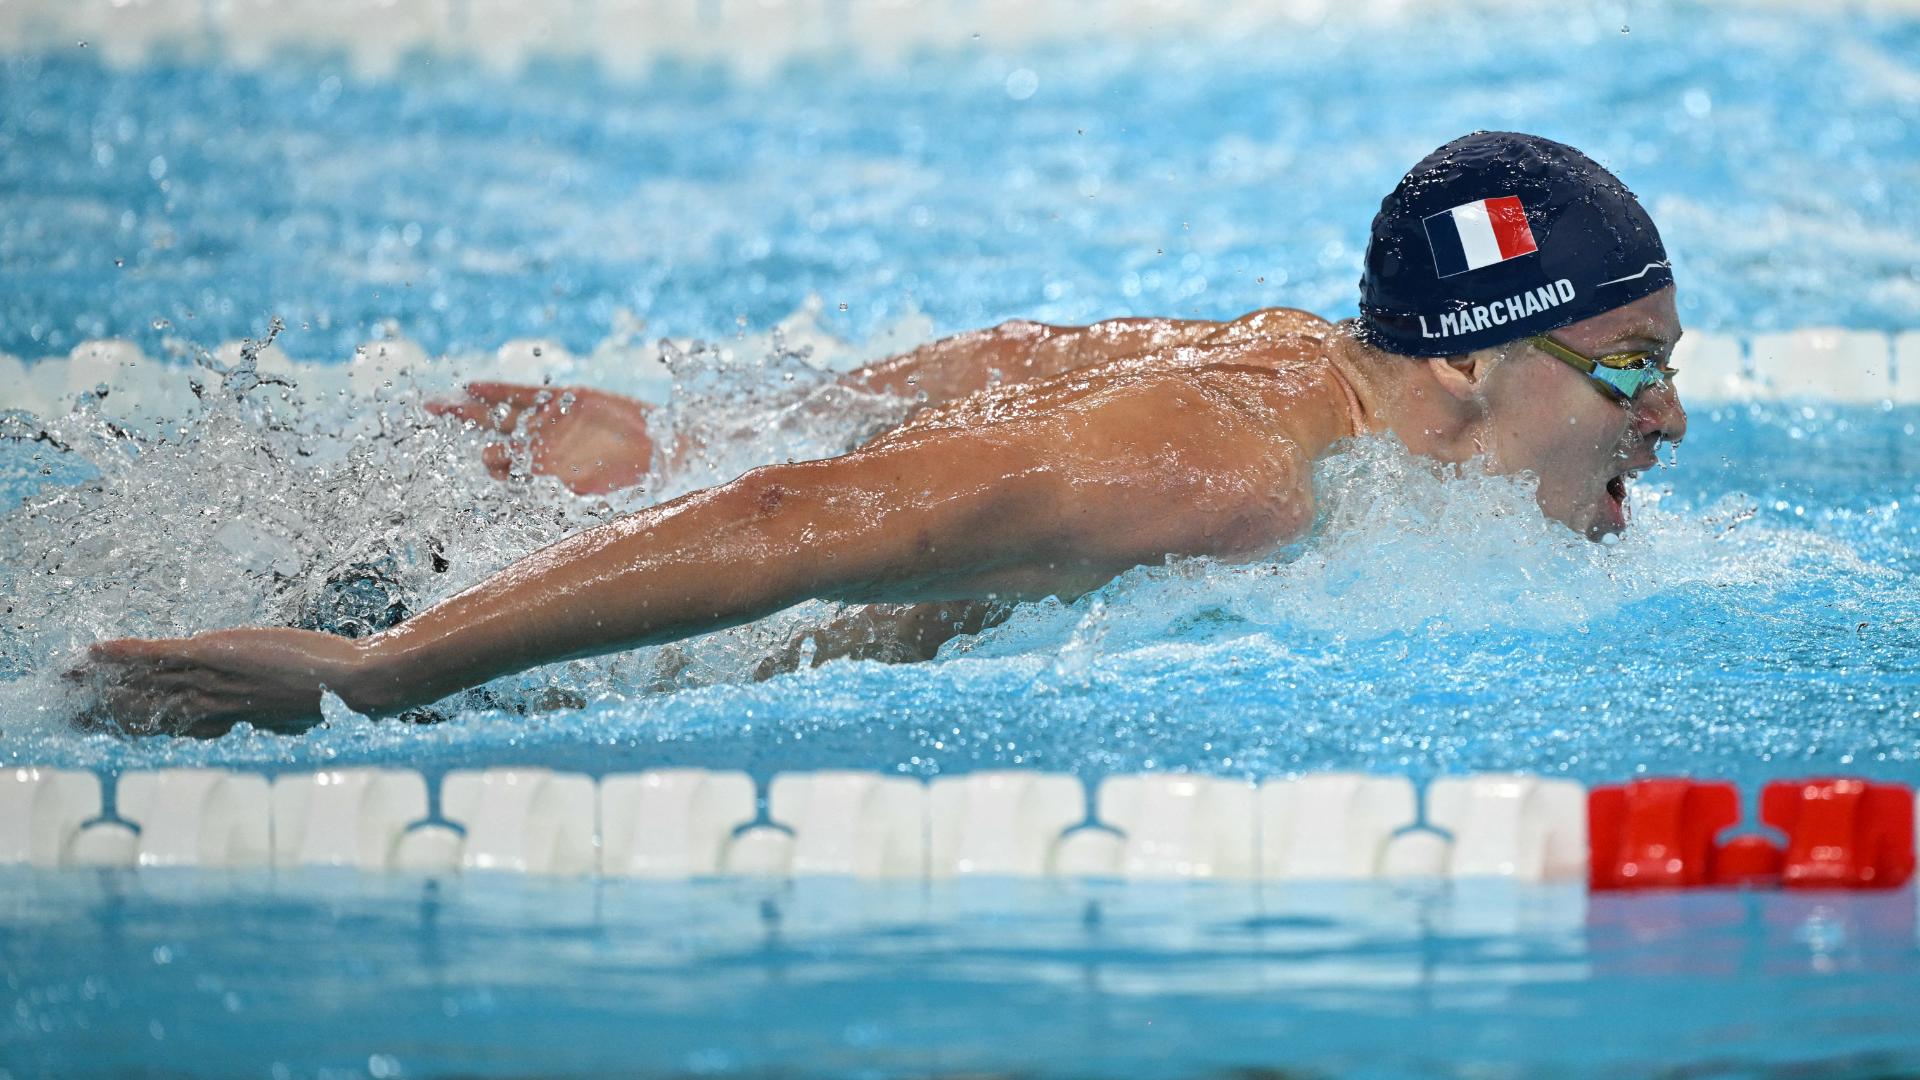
[[1497, 238], [1525, 409], [1498, 235]]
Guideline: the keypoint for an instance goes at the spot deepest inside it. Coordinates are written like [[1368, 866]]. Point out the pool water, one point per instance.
[[313, 974], [1761, 619], [1208, 173]]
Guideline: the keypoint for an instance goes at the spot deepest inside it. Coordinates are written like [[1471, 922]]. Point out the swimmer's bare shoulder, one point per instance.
[[1221, 435], [1275, 324]]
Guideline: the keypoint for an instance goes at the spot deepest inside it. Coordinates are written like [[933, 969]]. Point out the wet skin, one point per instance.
[[1045, 461]]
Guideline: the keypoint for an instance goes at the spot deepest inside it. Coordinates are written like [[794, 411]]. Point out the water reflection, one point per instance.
[[1042, 978]]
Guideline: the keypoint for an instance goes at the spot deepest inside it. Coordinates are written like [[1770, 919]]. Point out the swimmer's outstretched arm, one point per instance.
[[1055, 506]]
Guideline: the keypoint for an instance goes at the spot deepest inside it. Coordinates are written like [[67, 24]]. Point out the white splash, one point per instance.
[[1404, 544]]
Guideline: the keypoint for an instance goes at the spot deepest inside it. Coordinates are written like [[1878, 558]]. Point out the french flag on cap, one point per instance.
[[1478, 234]]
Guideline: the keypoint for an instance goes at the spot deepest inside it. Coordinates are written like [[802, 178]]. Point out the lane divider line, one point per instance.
[[1656, 833]]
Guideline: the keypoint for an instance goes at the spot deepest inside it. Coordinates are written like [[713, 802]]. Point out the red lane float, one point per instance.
[[1751, 860], [1657, 834], [1841, 834]]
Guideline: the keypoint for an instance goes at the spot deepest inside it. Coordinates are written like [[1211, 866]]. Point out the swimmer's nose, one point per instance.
[[1658, 414]]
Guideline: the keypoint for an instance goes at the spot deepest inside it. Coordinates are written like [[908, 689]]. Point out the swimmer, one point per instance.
[[1516, 306]]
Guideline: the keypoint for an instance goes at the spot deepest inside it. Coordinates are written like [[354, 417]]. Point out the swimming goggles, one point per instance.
[[1619, 375]]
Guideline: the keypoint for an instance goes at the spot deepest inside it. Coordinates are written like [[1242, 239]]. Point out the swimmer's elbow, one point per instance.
[[768, 493], [855, 529]]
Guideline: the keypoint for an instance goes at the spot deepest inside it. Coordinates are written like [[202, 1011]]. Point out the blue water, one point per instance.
[[1208, 178], [315, 974], [1761, 619]]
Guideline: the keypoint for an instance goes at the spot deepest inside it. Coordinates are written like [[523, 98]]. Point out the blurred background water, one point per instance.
[[419, 193], [1198, 160]]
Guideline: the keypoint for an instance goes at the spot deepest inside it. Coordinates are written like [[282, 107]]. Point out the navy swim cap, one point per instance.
[[1498, 236]]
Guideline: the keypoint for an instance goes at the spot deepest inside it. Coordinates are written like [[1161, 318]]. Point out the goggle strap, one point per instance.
[[1547, 344]]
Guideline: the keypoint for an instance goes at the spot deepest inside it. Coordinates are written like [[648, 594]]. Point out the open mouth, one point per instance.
[[1613, 514]]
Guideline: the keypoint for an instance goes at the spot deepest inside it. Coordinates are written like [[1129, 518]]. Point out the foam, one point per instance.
[[1406, 546]]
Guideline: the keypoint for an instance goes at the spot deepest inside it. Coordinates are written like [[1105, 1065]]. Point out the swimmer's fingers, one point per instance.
[[481, 415], [130, 709], [128, 705], [467, 409], [142, 663], [150, 687], [153, 655], [127, 649], [270, 677], [498, 459], [517, 395], [156, 710], [497, 405]]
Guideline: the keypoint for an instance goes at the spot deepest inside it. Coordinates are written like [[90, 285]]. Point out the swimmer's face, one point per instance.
[[1546, 417]]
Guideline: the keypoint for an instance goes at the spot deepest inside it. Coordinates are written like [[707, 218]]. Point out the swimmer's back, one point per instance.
[[1270, 367]]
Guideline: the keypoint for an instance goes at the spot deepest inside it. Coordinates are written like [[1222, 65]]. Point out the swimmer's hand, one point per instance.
[[203, 685], [590, 440]]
